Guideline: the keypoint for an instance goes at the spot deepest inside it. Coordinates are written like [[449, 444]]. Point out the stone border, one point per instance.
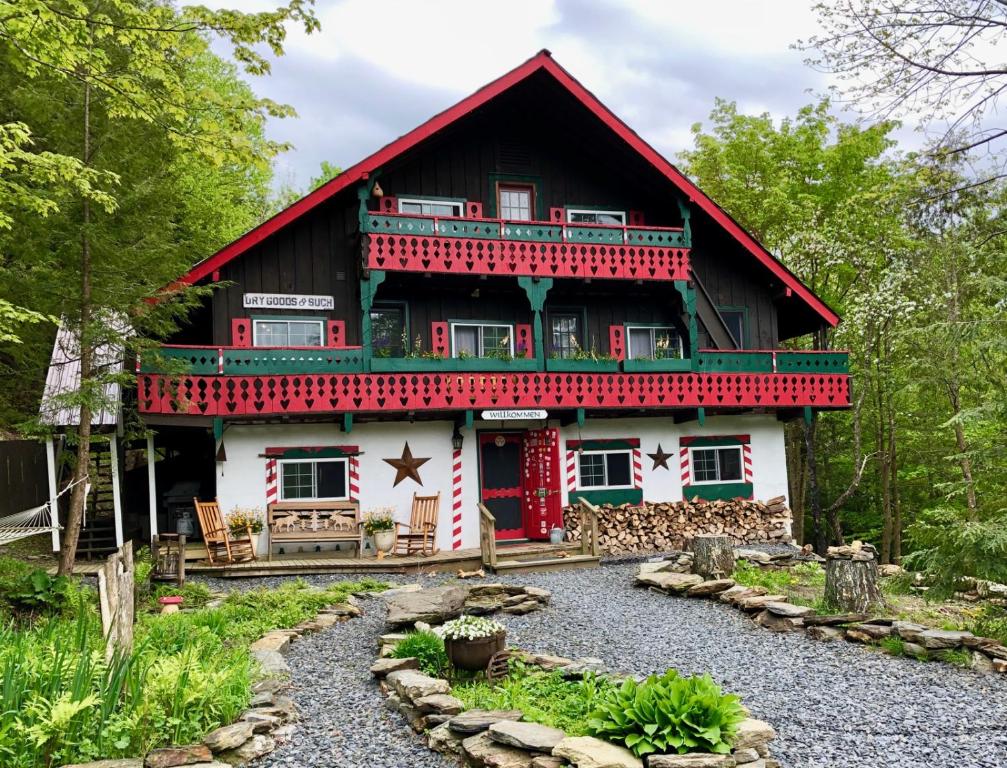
[[502, 739], [775, 612]]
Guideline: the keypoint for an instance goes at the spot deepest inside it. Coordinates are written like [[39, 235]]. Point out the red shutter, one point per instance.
[[557, 215], [636, 218], [241, 332], [440, 342], [617, 341], [388, 205], [524, 345], [336, 334], [474, 210]]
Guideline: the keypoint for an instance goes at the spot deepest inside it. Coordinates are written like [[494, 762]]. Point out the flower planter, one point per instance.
[[384, 541], [474, 655]]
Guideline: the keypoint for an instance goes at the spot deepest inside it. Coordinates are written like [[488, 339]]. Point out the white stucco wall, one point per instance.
[[241, 480]]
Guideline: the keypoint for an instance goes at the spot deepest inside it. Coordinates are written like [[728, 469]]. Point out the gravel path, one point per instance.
[[834, 705]]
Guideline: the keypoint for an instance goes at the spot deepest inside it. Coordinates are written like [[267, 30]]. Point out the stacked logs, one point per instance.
[[664, 526]]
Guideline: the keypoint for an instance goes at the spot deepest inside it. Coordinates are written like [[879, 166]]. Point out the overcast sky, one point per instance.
[[378, 68]]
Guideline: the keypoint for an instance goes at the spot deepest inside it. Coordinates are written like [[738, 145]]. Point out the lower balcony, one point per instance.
[[317, 394]]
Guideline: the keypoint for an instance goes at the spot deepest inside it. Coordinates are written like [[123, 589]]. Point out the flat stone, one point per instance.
[[778, 623], [547, 761], [170, 757], [914, 650], [537, 593], [480, 750], [834, 619], [824, 633], [129, 762], [710, 588], [738, 591], [981, 662], [522, 608], [434, 605], [752, 556], [343, 609], [745, 755], [402, 589], [391, 638], [528, 736], [442, 739], [272, 662], [383, 667], [999, 666], [440, 704], [263, 699], [272, 641], [589, 752], [482, 606], [267, 685], [253, 749], [411, 684], [788, 610], [229, 736], [262, 722], [938, 639], [476, 720], [582, 666], [547, 662], [872, 631], [751, 733], [695, 760], [752, 604], [907, 630], [672, 582]]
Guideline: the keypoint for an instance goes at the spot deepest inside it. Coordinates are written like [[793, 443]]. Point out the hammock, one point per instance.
[[31, 522]]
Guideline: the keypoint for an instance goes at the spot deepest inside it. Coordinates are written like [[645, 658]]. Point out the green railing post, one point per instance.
[[368, 290], [688, 292], [536, 289]]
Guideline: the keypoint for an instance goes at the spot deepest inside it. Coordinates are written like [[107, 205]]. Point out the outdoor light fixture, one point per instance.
[[456, 439]]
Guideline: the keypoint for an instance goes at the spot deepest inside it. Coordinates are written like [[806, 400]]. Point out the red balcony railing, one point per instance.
[[362, 393], [495, 247]]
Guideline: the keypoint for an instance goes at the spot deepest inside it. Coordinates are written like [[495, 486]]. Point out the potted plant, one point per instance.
[[380, 526], [240, 520], [471, 641]]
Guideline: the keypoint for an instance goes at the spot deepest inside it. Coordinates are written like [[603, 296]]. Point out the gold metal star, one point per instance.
[[660, 458], [407, 466]]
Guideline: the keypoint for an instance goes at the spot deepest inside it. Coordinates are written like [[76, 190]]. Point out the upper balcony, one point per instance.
[[480, 246]]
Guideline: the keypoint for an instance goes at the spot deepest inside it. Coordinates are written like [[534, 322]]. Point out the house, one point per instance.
[[518, 302]]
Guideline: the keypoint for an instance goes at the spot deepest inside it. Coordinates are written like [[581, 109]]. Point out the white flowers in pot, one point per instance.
[[469, 628]]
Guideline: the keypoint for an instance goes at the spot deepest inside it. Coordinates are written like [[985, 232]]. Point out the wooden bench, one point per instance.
[[314, 522]]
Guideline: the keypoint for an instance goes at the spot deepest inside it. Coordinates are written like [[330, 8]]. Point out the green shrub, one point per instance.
[[990, 621], [893, 645], [957, 656], [668, 714], [38, 591], [807, 574], [544, 697], [428, 649]]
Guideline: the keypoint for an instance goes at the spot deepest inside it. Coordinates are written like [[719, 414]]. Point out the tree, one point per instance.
[[288, 194], [920, 57], [124, 67]]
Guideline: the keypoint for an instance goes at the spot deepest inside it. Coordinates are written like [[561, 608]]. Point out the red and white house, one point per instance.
[[522, 290]]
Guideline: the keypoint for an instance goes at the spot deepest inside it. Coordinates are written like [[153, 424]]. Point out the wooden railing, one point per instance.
[[487, 536], [588, 528]]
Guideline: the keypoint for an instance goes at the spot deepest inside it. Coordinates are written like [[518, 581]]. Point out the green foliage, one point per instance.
[[194, 594], [38, 590], [428, 649], [990, 621], [545, 698], [668, 714], [893, 645], [957, 656], [949, 546], [807, 574]]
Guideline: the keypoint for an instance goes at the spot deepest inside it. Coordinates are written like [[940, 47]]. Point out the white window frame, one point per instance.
[[517, 186], [718, 481], [606, 487], [480, 325], [288, 320], [652, 329], [571, 211], [314, 478], [459, 206]]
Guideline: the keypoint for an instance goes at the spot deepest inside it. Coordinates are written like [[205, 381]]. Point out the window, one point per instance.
[[657, 343], [734, 319], [287, 333], [576, 216], [516, 202], [716, 465], [432, 207], [388, 330], [311, 480], [482, 340], [604, 469], [565, 338]]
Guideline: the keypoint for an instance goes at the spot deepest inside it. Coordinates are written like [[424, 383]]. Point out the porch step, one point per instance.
[[534, 550], [532, 565]]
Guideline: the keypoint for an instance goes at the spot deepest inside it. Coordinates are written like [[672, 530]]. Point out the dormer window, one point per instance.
[[517, 201], [281, 332], [431, 206], [606, 218]]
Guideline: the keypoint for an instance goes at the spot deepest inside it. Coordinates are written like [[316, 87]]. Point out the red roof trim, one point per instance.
[[542, 60]]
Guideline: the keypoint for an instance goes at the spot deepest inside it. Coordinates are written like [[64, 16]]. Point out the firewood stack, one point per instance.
[[663, 526]]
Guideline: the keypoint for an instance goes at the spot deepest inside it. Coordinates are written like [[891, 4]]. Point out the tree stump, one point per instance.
[[852, 585], [713, 556]]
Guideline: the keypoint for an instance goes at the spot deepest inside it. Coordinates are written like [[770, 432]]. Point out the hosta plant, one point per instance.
[[668, 714], [469, 628]]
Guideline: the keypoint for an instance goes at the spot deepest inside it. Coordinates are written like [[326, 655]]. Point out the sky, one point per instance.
[[378, 68]]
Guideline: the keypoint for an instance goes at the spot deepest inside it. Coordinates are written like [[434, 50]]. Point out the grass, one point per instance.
[[428, 649], [892, 645], [189, 672], [544, 697]]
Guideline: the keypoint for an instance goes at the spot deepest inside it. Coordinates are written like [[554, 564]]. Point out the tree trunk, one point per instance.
[[797, 483], [713, 556], [814, 494], [79, 496], [851, 586]]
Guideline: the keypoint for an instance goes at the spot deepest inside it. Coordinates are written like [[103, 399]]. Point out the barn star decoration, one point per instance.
[[660, 458], [408, 466]]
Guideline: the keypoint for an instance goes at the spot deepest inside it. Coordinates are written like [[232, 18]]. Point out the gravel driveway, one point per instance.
[[834, 705]]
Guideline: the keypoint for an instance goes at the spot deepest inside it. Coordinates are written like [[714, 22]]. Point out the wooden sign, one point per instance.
[[287, 301], [506, 415]]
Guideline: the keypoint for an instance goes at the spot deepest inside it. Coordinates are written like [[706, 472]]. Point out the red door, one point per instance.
[[542, 497], [501, 481]]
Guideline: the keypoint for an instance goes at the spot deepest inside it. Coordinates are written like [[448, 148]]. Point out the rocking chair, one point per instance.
[[221, 545], [421, 532]]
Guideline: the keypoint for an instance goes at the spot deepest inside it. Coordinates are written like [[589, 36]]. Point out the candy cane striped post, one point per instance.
[[571, 474], [354, 478], [271, 485], [683, 455], [637, 469], [456, 499]]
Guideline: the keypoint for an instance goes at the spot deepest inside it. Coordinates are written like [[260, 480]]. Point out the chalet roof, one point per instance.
[[541, 62], [63, 378]]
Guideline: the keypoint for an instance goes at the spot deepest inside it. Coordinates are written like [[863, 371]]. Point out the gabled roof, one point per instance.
[[544, 62]]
